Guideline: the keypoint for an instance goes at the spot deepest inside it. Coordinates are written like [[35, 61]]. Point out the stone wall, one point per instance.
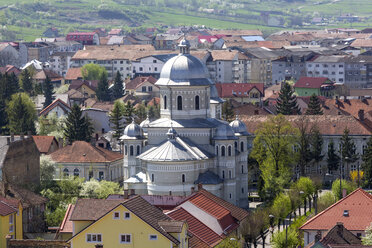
[[33, 243]]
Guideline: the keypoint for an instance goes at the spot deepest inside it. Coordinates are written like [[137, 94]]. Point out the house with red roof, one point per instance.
[[85, 38], [243, 93], [46, 144], [143, 87], [354, 211], [57, 106], [9, 69], [210, 218], [65, 230], [320, 86]]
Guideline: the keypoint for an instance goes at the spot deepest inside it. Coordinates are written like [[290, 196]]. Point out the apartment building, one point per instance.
[[332, 67]]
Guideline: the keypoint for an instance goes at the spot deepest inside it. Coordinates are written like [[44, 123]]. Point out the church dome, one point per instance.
[[224, 131], [239, 127], [132, 131], [145, 123]]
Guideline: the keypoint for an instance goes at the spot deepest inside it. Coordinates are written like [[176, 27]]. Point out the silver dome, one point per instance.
[[184, 70], [224, 131], [145, 123], [132, 131], [239, 127]]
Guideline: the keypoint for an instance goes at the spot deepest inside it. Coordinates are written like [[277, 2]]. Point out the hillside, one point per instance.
[[26, 20]]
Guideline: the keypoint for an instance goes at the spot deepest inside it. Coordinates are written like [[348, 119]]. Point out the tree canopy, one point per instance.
[[21, 113], [78, 127], [367, 164], [26, 81], [116, 118], [48, 92], [102, 91], [314, 107], [286, 103], [93, 72], [117, 89]]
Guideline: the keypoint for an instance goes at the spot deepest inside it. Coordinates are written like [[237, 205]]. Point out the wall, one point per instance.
[[27, 243]]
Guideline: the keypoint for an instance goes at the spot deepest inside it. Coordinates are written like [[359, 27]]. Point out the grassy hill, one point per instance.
[[26, 19]]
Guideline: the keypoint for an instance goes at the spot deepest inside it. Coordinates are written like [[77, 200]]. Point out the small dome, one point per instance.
[[239, 127], [145, 123], [224, 132], [184, 43], [132, 131], [172, 134]]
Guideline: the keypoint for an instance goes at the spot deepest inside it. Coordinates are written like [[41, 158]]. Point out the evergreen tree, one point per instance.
[[3, 98], [117, 89], [48, 92], [367, 164], [141, 112], [303, 144], [314, 107], [348, 151], [154, 111], [102, 91], [116, 118], [26, 81], [11, 85], [128, 110], [333, 160], [228, 113], [21, 113], [77, 126], [316, 143], [286, 103]]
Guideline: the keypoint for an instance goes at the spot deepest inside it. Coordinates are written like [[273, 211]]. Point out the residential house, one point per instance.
[[87, 38], [33, 207], [66, 46], [10, 219], [353, 211], [143, 87], [46, 144], [101, 32], [60, 62], [65, 230], [59, 107], [338, 236], [50, 33], [229, 66], [332, 67], [243, 93], [150, 65], [320, 86], [87, 161], [166, 41], [99, 118], [75, 97], [210, 218], [118, 223], [362, 44], [115, 32], [73, 74], [54, 77], [9, 69], [86, 87], [19, 160]]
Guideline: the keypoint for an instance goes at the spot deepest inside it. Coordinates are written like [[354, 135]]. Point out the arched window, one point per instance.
[[165, 102], [242, 146], [217, 151], [242, 169], [125, 150], [76, 172], [236, 145], [131, 151], [223, 174], [66, 173], [230, 174], [138, 150], [229, 151], [183, 178], [223, 151], [197, 105], [152, 178], [179, 102]]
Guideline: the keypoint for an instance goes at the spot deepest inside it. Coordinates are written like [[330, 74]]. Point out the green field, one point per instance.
[[27, 19]]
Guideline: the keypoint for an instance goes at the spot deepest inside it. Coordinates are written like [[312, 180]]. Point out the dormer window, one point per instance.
[[346, 213]]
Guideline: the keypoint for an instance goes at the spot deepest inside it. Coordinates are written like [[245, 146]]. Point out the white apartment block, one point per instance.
[[332, 67]]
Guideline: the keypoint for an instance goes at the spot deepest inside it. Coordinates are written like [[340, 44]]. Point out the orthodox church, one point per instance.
[[189, 144]]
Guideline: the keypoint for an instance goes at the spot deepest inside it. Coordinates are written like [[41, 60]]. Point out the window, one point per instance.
[[242, 169], [125, 150], [179, 102], [101, 175], [66, 172], [229, 151], [154, 61], [242, 146], [94, 238], [230, 195], [242, 190], [11, 228], [223, 174], [155, 68], [152, 178], [125, 238], [223, 151], [217, 150], [138, 150], [236, 145], [165, 102], [143, 88], [116, 215], [76, 172], [230, 174], [126, 215], [131, 151], [141, 69], [150, 88], [11, 219], [197, 102], [183, 178], [153, 237]]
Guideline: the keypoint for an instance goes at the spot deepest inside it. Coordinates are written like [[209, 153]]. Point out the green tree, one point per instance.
[[255, 226], [26, 81], [367, 239], [48, 92], [367, 164], [47, 171], [314, 107], [286, 103], [316, 144], [10, 85], [77, 126], [348, 150], [229, 242], [116, 118], [93, 72], [228, 113], [325, 200], [350, 187], [333, 160], [303, 144], [102, 91], [129, 110], [21, 113], [281, 208], [285, 240], [99, 190], [51, 125], [305, 185], [141, 112], [117, 89], [154, 111]]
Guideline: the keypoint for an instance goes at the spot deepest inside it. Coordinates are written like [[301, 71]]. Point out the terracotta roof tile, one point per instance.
[[236, 32], [8, 206], [209, 206], [76, 84], [136, 82], [92, 209], [362, 43], [359, 205], [73, 73], [172, 226], [25, 196], [339, 235], [51, 106], [83, 152], [224, 54], [238, 90], [67, 225], [195, 242], [43, 143], [311, 82]]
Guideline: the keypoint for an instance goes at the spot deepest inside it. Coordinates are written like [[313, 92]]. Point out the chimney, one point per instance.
[[132, 192], [200, 186], [361, 114], [344, 193], [192, 190], [126, 194], [170, 192], [11, 137]]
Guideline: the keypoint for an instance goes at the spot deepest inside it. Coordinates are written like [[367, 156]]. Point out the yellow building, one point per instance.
[[10, 220], [124, 223]]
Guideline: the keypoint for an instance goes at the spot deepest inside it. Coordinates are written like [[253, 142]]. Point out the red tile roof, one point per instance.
[[43, 143], [10, 69], [359, 205], [196, 227], [232, 90], [76, 84], [311, 82], [206, 204], [138, 81], [83, 152], [8, 206], [55, 103], [67, 226], [73, 73]]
